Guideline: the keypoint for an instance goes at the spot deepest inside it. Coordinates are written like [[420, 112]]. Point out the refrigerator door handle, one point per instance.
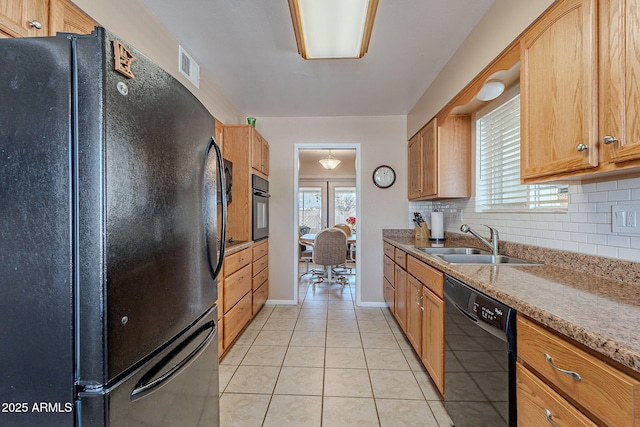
[[148, 383], [214, 271]]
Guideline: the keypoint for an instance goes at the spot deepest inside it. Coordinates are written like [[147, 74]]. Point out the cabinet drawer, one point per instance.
[[236, 261], [400, 258], [603, 390], [236, 286], [260, 249], [236, 319], [259, 298], [389, 293], [389, 250], [388, 269], [430, 277], [539, 405], [259, 279], [260, 264]]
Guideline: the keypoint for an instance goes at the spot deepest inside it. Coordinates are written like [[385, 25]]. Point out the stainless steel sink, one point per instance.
[[448, 251], [486, 259]]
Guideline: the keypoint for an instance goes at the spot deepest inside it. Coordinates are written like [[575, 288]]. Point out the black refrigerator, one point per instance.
[[111, 238]]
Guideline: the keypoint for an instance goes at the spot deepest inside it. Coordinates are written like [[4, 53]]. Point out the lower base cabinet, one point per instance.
[[539, 405], [583, 382], [242, 291], [433, 337], [236, 319], [418, 305]]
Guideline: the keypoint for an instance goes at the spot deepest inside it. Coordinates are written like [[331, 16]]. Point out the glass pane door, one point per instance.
[[343, 201], [312, 202]]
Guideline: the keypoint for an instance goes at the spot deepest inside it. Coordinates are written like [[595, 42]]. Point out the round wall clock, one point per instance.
[[384, 176]]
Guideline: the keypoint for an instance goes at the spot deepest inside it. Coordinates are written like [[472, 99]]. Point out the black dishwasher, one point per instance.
[[480, 357]]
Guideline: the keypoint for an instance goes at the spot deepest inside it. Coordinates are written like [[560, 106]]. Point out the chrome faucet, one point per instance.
[[493, 245]]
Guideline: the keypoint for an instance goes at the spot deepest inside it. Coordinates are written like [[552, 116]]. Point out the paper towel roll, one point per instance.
[[437, 225]]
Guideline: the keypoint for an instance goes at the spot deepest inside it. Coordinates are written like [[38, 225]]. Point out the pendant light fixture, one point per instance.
[[329, 162], [332, 29]]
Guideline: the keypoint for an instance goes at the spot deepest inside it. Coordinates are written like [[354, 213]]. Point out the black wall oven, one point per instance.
[[260, 210]]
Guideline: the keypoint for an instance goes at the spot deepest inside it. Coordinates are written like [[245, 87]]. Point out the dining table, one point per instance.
[[310, 238]]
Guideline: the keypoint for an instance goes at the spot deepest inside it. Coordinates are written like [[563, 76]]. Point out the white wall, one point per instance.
[[382, 141], [133, 22]]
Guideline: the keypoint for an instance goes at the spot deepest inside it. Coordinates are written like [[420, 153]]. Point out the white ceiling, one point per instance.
[[249, 50]]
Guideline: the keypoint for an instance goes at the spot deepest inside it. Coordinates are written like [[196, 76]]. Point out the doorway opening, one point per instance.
[[327, 197]]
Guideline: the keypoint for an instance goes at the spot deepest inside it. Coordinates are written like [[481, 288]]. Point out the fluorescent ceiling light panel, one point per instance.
[[332, 28]]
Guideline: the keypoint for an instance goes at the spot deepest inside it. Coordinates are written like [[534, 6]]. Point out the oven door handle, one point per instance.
[[260, 193]]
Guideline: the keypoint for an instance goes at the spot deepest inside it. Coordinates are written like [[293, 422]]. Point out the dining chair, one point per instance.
[[330, 250], [305, 253], [345, 228]]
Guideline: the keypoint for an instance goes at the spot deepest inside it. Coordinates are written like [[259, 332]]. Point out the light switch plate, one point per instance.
[[625, 219]]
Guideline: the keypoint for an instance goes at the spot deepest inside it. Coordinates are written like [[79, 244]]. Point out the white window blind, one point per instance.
[[498, 185]]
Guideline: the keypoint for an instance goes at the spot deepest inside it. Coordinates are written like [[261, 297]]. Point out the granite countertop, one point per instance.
[[236, 246], [602, 313]]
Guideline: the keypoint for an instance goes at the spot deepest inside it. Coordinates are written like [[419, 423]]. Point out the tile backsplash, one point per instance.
[[585, 228]]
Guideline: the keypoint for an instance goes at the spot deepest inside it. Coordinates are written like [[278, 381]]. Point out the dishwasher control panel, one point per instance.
[[490, 311]]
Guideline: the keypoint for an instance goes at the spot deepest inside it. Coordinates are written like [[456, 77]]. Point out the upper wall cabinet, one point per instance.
[[259, 154], [439, 160], [579, 91], [619, 79], [65, 17], [24, 18], [249, 152], [559, 88], [33, 18]]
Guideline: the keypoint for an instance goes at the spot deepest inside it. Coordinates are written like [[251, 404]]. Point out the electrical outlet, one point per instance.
[[624, 219]]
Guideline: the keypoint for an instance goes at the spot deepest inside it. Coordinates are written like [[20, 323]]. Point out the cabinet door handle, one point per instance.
[[549, 415], [576, 376], [582, 147], [609, 139], [35, 24], [419, 298]]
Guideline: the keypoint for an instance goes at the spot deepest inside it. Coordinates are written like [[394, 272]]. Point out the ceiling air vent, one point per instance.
[[188, 67]]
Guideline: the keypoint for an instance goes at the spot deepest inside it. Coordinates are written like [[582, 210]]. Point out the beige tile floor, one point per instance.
[[326, 363]]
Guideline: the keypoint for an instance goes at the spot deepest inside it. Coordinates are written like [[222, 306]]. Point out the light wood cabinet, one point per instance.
[[439, 163], [539, 405], [432, 354], [259, 154], [260, 275], [414, 292], [414, 313], [401, 296], [580, 114], [600, 391], [429, 284], [559, 88], [619, 82], [240, 147], [21, 18], [65, 17], [234, 285], [236, 319]]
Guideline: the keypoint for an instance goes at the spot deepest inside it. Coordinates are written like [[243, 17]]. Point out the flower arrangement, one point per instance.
[[351, 221]]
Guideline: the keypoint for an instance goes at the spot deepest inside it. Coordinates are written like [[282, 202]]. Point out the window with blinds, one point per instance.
[[498, 185]]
